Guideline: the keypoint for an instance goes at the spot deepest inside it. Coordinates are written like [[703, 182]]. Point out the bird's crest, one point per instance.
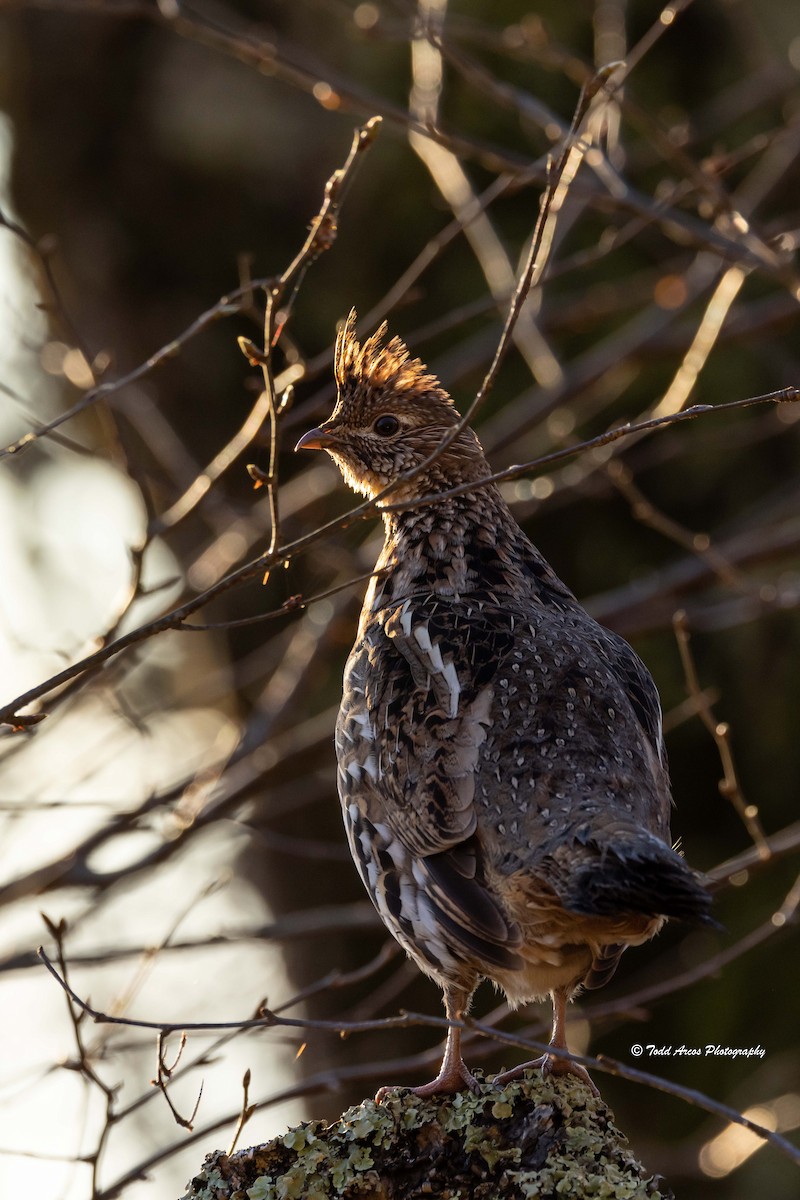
[[375, 365]]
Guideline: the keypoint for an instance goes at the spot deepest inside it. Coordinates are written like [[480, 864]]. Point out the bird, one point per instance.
[[500, 755]]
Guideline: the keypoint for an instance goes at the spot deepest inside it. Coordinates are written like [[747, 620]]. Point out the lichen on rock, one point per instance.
[[532, 1140]]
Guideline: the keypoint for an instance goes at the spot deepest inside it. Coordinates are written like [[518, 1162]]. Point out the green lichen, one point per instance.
[[303, 1136], [532, 1140], [262, 1189], [215, 1182]]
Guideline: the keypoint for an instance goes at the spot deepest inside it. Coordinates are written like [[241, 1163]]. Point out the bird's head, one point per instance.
[[390, 415]]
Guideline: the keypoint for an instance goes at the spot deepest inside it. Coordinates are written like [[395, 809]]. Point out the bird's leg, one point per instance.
[[550, 1064], [453, 1075]]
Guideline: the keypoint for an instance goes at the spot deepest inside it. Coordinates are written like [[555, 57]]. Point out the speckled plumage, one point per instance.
[[501, 764]]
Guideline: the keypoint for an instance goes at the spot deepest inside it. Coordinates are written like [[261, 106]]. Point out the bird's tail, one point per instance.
[[635, 872]]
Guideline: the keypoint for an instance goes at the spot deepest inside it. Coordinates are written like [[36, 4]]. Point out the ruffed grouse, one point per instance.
[[501, 764]]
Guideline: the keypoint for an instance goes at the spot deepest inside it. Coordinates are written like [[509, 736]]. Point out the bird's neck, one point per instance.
[[465, 547]]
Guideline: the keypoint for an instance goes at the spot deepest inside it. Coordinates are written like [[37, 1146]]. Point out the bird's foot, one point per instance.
[[548, 1064], [455, 1078]]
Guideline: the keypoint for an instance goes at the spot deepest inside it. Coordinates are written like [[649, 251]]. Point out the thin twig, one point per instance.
[[784, 915], [228, 305], [729, 785], [164, 1075], [408, 1019], [787, 395], [84, 1064], [295, 603], [246, 1112], [613, 1066], [10, 714], [700, 544], [454, 184], [320, 236]]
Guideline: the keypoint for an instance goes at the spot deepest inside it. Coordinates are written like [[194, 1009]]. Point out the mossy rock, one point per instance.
[[548, 1140]]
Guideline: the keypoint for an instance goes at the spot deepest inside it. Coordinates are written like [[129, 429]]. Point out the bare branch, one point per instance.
[[729, 785], [246, 1113], [10, 715], [164, 1075], [602, 1062]]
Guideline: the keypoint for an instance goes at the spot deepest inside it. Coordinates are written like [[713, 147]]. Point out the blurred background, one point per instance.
[[177, 806]]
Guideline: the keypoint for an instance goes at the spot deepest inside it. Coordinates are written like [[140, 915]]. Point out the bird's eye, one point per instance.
[[386, 425]]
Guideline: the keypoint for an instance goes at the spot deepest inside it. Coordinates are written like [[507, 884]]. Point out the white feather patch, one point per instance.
[[423, 638], [451, 678], [367, 728], [370, 765]]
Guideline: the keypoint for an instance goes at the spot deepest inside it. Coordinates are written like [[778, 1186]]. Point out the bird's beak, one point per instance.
[[316, 439]]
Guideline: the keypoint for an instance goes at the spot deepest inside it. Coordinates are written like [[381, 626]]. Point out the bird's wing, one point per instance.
[[428, 692], [417, 702]]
